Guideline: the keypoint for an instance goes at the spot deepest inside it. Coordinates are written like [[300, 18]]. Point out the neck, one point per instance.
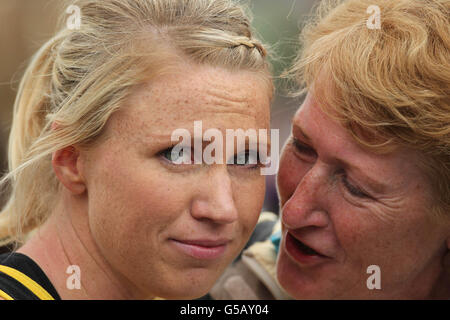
[[65, 240]]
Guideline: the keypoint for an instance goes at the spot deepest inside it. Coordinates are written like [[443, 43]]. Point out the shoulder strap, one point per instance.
[[5, 296], [26, 282]]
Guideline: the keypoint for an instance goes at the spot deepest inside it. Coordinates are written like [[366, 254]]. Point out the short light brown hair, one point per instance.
[[390, 86]]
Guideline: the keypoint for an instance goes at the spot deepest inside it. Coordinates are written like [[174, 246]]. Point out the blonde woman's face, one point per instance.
[[355, 224], [171, 229]]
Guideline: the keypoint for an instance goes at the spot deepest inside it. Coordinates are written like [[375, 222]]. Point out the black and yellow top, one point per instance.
[[22, 279]]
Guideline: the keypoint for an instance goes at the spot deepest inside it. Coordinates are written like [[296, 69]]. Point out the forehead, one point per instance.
[[318, 126], [218, 97]]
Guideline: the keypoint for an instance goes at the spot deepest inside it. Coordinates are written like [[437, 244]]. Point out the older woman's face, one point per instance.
[[171, 229], [355, 209]]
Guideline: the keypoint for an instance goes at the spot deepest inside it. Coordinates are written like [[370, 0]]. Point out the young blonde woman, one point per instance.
[[364, 179], [113, 214]]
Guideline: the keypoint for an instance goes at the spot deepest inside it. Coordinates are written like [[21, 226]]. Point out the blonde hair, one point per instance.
[[389, 86], [81, 76]]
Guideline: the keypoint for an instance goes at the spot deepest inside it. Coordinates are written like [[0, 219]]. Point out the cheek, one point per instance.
[[131, 204], [401, 246], [359, 234], [249, 199]]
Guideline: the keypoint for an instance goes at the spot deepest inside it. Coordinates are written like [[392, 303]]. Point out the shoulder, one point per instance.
[[22, 279]]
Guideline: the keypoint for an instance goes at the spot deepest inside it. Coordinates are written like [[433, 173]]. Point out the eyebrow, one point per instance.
[[375, 185], [297, 129]]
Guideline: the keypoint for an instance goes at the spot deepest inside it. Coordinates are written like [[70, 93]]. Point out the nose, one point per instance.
[[215, 201], [305, 206]]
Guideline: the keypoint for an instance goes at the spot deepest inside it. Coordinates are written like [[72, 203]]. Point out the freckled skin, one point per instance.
[[395, 231], [137, 201]]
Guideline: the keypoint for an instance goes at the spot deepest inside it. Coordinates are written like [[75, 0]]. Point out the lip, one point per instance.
[[292, 250], [202, 249]]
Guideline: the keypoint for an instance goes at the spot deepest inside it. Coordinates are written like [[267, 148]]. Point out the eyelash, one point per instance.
[[355, 191], [162, 154], [247, 153], [257, 165], [303, 148]]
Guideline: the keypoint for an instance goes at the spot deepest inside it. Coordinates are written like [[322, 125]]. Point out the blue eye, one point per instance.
[[177, 157]]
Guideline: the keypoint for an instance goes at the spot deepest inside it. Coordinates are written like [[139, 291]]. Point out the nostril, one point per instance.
[[295, 217]]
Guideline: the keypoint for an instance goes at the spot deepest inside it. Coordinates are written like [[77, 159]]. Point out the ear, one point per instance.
[[66, 165]]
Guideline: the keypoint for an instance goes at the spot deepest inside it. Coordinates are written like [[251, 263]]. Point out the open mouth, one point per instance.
[[301, 252], [304, 248]]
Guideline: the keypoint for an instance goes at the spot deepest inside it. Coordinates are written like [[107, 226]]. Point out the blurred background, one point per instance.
[[26, 24]]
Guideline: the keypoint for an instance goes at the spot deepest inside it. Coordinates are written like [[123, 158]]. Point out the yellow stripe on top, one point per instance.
[[29, 283], [5, 296]]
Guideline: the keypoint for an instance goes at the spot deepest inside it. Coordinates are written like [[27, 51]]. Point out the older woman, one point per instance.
[[115, 214], [364, 180]]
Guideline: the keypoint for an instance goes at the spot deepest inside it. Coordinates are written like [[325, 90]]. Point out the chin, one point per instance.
[[184, 293], [296, 285], [191, 285]]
